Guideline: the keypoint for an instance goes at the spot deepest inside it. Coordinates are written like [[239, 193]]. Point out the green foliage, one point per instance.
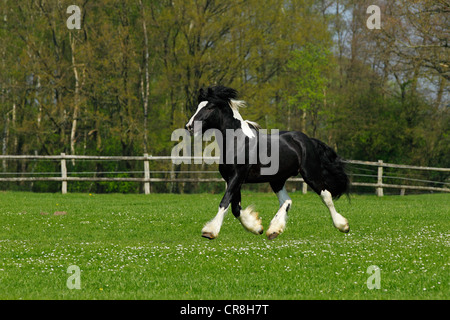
[[309, 69], [84, 91]]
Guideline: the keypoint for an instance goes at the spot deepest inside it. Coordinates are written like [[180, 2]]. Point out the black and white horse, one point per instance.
[[317, 163]]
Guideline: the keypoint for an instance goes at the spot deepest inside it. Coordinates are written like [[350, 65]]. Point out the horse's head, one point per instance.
[[213, 108]]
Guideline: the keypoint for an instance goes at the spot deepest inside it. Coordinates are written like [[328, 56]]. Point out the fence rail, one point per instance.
[[147, 179]]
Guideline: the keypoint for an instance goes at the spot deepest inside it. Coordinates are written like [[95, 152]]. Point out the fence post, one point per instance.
[[379, 190], [146, 174], [63, 173], [304, 187]]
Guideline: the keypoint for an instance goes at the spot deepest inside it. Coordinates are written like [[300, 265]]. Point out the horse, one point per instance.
[[319, 165]]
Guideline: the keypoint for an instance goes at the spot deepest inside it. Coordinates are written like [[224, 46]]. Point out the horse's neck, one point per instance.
[[229, 124], [234, 138]]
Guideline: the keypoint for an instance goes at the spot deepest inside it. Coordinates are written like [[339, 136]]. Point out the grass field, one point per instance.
[[149, 247]]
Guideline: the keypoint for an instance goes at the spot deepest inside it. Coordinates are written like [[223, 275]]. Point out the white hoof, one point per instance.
[[342, 224], [250, 221], [275, 229], [278, 223], [212, 228], [209, 231]]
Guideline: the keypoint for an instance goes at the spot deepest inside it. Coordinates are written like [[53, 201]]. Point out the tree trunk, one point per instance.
[[442, 83], [15, 141], [145, 89], [76, 99], [5, 140]]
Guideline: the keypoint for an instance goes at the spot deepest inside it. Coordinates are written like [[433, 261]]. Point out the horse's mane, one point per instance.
[[225, 94], [255, 125], [217, 92]]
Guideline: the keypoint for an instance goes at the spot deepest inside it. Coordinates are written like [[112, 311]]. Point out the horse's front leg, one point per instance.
[[212, 228], [248, 218]]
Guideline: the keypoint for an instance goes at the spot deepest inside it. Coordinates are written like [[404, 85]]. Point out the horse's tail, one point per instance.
[[336, 180]]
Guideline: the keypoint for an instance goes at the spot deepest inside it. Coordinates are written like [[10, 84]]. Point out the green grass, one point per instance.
[[149, 247]]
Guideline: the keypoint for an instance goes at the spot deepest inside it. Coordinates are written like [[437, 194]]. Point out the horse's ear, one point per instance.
[[201, 95]]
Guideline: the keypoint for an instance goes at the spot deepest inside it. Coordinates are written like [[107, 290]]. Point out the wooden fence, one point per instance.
[[64, 177]]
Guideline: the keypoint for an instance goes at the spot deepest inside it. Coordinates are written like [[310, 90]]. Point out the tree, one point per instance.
[[310, 70], [130, 76]]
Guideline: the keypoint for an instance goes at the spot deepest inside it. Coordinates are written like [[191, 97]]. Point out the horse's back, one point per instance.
[[289, 157]]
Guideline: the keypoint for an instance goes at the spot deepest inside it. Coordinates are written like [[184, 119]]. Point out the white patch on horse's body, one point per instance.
[[278, 223], [235, 105], [338, 220], [250, 220], [212, 228], [201, 105]]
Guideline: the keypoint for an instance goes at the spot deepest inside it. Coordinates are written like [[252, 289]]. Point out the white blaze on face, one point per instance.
[[201, 105]]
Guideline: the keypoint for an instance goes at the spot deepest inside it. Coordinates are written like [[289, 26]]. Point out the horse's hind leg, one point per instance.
[[338, 220], [278, 223], [310, 170]]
